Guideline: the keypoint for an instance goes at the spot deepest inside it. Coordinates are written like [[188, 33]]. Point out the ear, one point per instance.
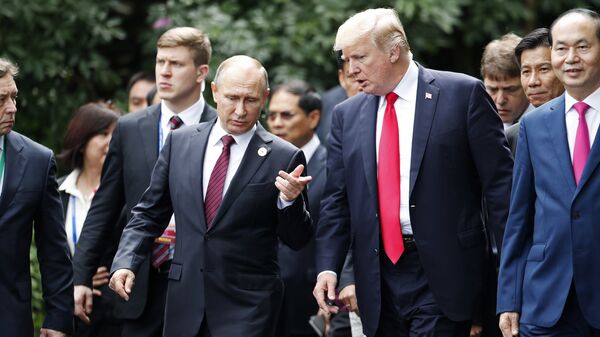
[[313, 118], [201, 73], [266, 95], [213, 88], [395, 53]]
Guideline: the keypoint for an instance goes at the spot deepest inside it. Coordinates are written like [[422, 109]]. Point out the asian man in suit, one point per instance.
[[227, 183]]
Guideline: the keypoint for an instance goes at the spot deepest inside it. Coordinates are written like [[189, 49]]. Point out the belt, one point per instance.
[[164, 268]]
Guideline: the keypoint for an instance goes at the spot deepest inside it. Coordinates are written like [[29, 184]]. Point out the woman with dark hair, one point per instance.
[[84, 149]]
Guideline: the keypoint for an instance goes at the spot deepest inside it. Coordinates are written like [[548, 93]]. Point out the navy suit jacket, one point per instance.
[[30, 201], [552, 233], [459, 154], [228, 273], [125, 176], [298, 267]]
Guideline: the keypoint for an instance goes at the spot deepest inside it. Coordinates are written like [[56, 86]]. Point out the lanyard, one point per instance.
[[2, 159], [74, 220]]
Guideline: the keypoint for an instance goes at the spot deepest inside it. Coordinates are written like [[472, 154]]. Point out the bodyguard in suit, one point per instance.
[[29, 201], [538, 80], [182, 59], [226, 181], [550, 265], [409, 160], [293, 115]]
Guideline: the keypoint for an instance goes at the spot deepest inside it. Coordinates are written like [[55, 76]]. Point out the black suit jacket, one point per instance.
[[512, 135], [228, 273], [30, 201], [459, 154], [298, 267], [125, 176]]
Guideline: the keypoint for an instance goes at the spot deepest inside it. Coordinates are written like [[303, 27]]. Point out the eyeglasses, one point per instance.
[[284, 115]]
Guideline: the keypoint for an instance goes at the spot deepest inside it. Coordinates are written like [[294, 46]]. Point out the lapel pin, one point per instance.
[[262, 151], [427, 95]]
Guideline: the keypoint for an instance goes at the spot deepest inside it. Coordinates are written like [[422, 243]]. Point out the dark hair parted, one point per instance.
[[309, 98], [581, 11], [140, 76], [88, 121], [537, 38]]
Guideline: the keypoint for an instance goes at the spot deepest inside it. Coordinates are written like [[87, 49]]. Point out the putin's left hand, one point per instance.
[[51, 333], [291, 184]]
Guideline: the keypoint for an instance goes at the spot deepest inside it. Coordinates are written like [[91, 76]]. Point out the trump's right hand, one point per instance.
[[326, 283], [83, 297], [509, 324], [121, 282]]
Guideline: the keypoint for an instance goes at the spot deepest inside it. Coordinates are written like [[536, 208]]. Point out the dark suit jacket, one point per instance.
[[552, 234], [125, 176], [298, 267], [459, 154], [331, 98], [229, 273], [30, 201], [512, 135]]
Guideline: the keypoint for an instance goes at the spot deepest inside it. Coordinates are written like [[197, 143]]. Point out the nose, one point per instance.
[[353, 68], [572, 56], [534, 79], [500, 98], [164, 69], [11, 106], [240, 110]]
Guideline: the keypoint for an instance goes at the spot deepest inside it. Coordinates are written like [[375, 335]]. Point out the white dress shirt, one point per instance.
[[215, 147], [189, 116], [405, 115], [592, 118], [311, 147], [77, 208]]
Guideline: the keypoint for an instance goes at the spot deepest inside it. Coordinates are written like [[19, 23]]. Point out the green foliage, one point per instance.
[[57, 45]]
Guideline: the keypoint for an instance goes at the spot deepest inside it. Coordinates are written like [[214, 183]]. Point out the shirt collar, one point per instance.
[[406, 89], [218, 132], [310, 148], [189, 116], [593, 100], [69, 185]]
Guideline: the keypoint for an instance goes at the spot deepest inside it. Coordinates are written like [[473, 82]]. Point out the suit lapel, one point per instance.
[[198, 145], [208, 114], [148, 131], [368, 127], [557, 132], [425, 107], [14, 168], [250, 163]]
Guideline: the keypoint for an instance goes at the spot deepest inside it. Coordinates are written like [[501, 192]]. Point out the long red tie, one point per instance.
[[214, 191], [388, 182], [582, 141]]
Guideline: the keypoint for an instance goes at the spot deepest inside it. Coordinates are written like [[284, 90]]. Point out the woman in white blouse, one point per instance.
[[84, 149]]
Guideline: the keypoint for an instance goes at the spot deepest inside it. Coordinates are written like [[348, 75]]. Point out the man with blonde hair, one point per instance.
[[410, 159], [182, 59]]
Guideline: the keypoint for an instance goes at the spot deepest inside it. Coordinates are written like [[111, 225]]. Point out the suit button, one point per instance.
[[377, 215], [376, 251], [413, 206], [575, 215]]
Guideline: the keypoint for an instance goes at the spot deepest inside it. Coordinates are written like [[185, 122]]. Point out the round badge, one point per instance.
[[262, 152]]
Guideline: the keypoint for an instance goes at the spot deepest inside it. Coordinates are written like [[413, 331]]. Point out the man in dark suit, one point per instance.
[[293, 115], [550, 265], [182, 61], [538, 80], [226, 181], [29, 200], [409, 161]]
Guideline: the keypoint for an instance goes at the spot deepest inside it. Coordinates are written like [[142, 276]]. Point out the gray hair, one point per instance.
[[8, 67]]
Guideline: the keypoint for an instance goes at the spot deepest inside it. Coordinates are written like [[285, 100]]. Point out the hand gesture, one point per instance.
[[326, 283], [121, 282], [291, 184]]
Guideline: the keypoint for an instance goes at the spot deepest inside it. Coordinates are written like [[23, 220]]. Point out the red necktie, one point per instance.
[[160, 251], [582, 141], [214, 192], [388, 182]]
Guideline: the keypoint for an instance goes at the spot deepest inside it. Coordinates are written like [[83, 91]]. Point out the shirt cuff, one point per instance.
[[327, 272], [281, 204]]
